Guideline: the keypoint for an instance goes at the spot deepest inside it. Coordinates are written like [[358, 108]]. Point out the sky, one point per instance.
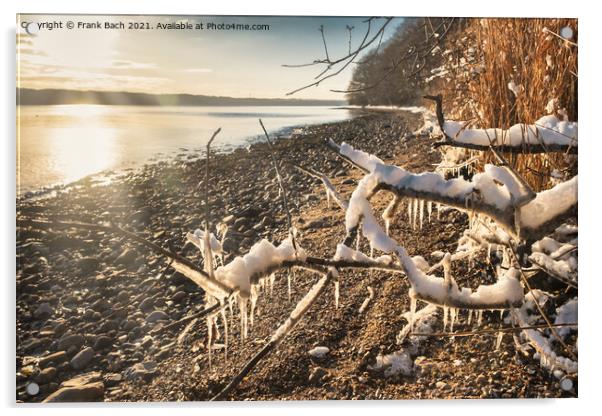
[[236, 63]]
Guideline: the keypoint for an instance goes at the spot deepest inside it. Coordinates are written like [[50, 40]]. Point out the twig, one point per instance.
[[280, 183]]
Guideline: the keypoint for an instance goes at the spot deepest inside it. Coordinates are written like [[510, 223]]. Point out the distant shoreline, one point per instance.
[[27, 96]]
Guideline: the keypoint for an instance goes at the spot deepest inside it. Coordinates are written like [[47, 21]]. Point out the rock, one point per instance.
[[43, 311], [82, 379], [178, 296], [82, 358], [46, 375], [102, 342], [481, 379], [71, 340], [147, 341], [319, 352], [147, 304], [146, 371], [157, 316], [112, 379], [56, 358], [82, 393], [101, 305], [228, 220]]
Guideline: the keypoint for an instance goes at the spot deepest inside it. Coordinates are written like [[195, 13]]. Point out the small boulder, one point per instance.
[[82, 358]]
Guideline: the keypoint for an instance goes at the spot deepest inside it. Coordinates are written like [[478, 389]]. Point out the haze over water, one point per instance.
[[59, 144]]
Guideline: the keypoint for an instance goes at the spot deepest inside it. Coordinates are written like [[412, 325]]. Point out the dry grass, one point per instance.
[[485, 55]]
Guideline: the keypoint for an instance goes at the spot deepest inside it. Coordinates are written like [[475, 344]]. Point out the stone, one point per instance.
[[102, 342], [81, 393], [178, 296], [82, 358], [157, 316], [145, 371], [43, 311], [46, 375], [71, 340], [82, 379], [147, 304], [55, 358], [112, 379]]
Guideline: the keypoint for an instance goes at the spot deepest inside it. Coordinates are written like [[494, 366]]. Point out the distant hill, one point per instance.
[[26, 96]]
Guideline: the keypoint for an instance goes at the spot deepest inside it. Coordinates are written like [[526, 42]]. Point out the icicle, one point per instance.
[[414, 213], [387, 225], [271, 280], [429, 208], [242, 306], [501, 314], [498, 342], [254, 296], [357, 241], [336, 294], [421, 212], [445, 312], [488, 252], [225, 319], [288, 282], [231, 308], [469, 316], [452, 315], [479, 317], [209, 338], [410, 211], [413, 303]]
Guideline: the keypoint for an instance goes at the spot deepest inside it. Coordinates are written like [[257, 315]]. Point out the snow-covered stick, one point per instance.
[[547, 264], [492, 193], [208, 255], [546, 135], [539, 308], [297, 313]]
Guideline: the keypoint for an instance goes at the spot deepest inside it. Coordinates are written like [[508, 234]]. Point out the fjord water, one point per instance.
[[59, 144]]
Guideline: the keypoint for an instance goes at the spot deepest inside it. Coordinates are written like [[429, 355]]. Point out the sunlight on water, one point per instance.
[[61, 144]]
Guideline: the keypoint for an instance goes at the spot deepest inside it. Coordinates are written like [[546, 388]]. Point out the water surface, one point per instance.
[[59, 144]]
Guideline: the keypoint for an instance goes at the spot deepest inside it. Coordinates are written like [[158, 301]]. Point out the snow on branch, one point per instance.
[[507, 292], [542, 344], [494, 193], [547, 134]]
